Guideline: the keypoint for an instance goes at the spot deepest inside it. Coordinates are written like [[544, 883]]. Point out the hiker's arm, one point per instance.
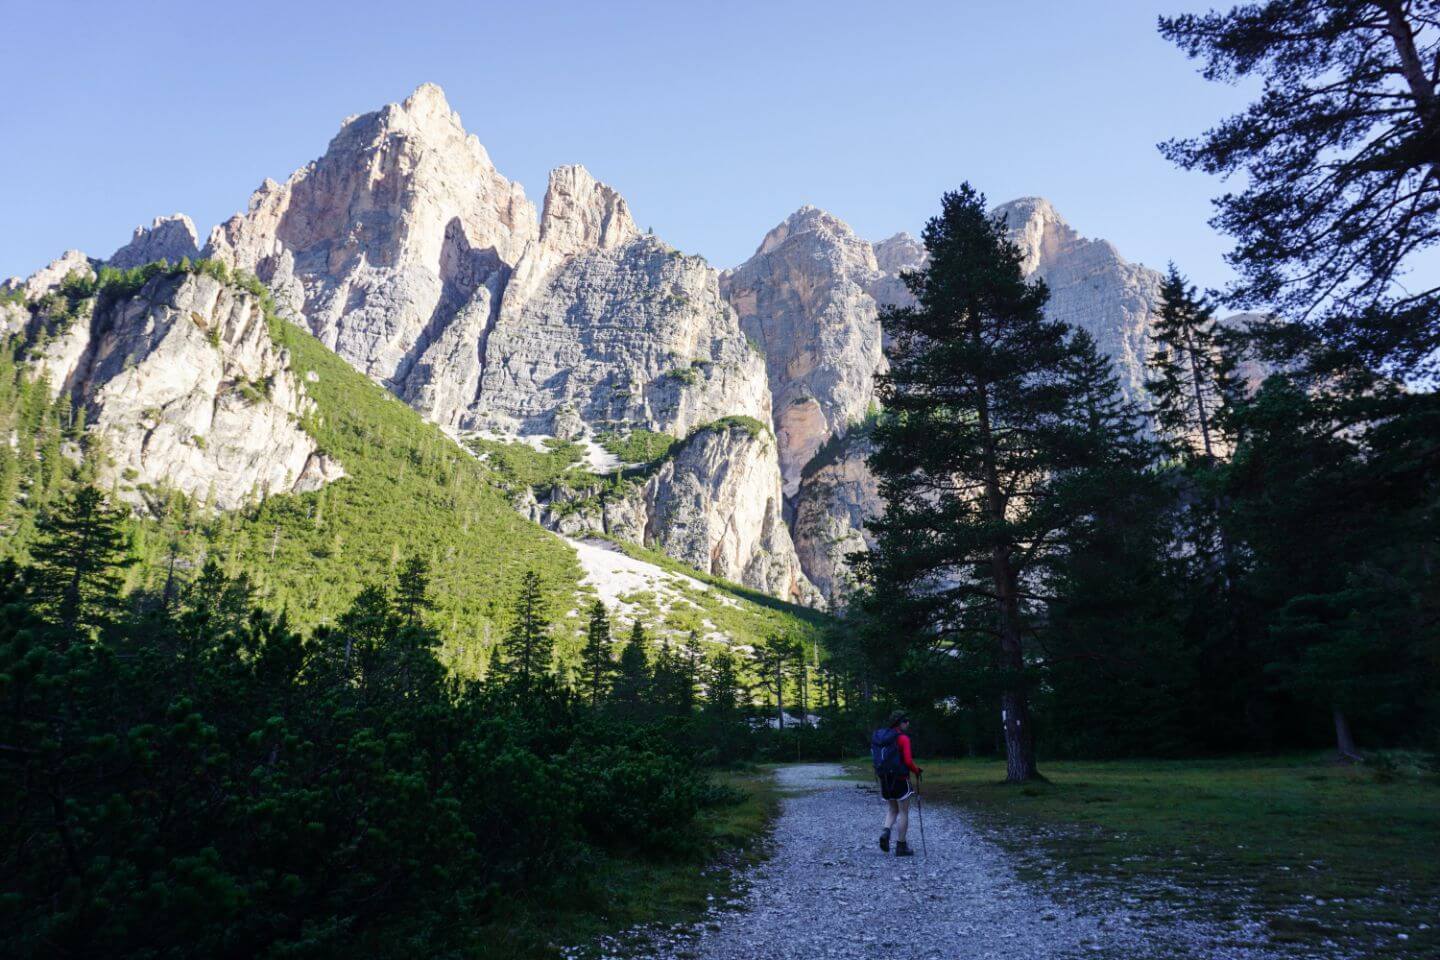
[[905, 755]]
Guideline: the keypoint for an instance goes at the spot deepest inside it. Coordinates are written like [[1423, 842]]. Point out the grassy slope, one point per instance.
[[409, 489], [1323, 852]]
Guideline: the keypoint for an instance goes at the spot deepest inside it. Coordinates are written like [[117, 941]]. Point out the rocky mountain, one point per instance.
[[1091, 286], [187, 388], [805, 299], [404, 250], [171, 238]]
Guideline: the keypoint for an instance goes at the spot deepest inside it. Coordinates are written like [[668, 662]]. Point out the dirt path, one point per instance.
[[829, 892]]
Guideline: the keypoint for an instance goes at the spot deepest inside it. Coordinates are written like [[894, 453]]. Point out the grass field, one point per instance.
[[1329, 857], [630, 893]]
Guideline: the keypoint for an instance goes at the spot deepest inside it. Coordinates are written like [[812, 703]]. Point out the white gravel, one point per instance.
[[829, 892]]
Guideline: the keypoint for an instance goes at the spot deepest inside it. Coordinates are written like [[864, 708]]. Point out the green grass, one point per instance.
[[1322, 852], [628, 893], [521, 465], [638, 445]]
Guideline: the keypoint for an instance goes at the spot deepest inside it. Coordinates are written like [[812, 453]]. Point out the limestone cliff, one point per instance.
[[378, 246], [171, 238], [838, 494], [184, 384], [717, 505], [805, 298], [1091, 286]]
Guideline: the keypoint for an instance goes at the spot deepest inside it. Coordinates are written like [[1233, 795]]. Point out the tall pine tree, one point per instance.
[[986, 425], [597, 659], [79, 561]]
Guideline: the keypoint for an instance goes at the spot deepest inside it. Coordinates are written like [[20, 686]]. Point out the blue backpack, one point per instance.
[[885, 752]]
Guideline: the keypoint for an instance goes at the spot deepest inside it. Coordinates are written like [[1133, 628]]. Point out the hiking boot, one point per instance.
[[885, 839], [902, 849]]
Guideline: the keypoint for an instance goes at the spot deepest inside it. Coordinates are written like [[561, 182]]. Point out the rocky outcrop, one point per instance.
[[895, 255], [171, 238], [717, 505], [402, 228], [637, 335], [1091, 286], [50, 276], [805, 298], [838, 494], [189, 392]]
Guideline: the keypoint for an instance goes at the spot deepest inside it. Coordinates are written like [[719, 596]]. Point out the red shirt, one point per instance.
[[904, 743]]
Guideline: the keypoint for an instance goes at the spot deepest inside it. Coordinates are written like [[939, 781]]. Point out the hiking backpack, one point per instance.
[[885, 751]]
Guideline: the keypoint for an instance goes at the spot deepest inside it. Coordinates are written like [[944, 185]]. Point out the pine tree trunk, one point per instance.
[[1344, 739]]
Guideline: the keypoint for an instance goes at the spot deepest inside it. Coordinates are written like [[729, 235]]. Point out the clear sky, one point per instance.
[[714, 120]]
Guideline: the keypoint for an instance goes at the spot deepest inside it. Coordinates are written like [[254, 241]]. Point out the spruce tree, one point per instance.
[[527, 650], [985, 429], [79, 558], [597, 660], [1190, 376]]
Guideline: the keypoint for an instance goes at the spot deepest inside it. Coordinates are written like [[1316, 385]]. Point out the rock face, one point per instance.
[[51, 275], [170, 238], [637, 334], [805, 298], [837, 496], [403, 228], [1091, 286], [190, 393], [717, 505]]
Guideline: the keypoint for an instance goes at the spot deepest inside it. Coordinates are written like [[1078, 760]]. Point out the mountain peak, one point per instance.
[[808, 219], [582, 213], [169, 238]]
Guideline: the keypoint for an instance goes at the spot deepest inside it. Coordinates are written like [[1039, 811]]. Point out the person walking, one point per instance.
[[890, 754]]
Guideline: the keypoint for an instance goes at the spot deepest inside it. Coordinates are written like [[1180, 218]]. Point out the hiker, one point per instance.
[[890, 753]]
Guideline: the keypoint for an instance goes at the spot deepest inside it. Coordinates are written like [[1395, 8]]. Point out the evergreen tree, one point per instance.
[[79, 559], [986, 428], [527, 650], [1190, 376], [597, 660], [412, 586], [632, 675], [722, 686], [1339, 155]]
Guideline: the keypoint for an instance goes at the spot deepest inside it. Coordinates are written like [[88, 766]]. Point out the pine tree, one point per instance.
[[79, 557], [412, 585], [1190, 376], [597, 660], [1339, 155], [722, 686], [986, 428], [527, 650], [632, 677]]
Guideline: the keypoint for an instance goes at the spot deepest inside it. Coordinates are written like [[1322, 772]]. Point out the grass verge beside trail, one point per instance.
[[629, 893], [1327, 856]]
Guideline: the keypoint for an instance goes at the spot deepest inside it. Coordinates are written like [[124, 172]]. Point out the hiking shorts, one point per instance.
[[895, 786]]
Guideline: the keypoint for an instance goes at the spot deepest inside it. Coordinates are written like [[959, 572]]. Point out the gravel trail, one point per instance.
[[829, 892]]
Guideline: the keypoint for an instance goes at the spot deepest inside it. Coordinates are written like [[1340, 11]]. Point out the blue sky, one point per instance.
[[714, 120]]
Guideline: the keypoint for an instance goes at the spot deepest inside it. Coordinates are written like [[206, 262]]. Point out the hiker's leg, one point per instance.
[[902, 818], [891, 809]]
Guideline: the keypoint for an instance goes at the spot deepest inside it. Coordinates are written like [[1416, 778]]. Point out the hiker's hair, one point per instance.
[[897, 717]]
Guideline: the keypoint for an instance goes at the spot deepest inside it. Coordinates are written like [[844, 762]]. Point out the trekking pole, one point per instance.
[[920, 808]]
